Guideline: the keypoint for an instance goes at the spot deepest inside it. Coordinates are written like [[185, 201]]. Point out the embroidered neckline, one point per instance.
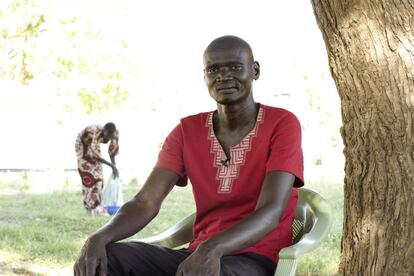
[[227, 173]]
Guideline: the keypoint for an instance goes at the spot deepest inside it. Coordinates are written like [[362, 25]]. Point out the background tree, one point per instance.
[[53, 42], [370, 46]]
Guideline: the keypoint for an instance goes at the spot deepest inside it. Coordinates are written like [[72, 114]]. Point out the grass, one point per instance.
[[41, 234]]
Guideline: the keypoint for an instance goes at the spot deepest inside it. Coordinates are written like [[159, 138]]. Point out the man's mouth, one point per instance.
[[225, 88]]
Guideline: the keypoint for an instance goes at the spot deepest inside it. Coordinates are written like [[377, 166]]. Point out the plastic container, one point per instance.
[[112, 209]]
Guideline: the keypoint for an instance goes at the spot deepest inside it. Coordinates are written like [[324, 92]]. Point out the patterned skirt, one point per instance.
[[91, 173]]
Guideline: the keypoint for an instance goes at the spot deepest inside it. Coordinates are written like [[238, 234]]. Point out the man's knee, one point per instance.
[[125, 259], [113, 250], [125, 251], [135, 258], [242, 265]]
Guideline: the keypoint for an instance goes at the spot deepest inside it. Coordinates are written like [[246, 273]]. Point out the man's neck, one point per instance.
[[234, 117]]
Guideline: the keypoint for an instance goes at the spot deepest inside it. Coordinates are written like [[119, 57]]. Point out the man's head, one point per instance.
[[229, 69], [109, 131]]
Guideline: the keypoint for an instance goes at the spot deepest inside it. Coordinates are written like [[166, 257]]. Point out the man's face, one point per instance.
[[229, 73]]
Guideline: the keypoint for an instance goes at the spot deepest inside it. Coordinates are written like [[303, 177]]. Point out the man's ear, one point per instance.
[[256, 68]]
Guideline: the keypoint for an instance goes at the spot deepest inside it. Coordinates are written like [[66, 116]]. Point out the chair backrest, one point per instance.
[[307, 209]]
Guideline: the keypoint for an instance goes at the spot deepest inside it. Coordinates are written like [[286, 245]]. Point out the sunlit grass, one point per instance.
[[47, 230], [41, 234]]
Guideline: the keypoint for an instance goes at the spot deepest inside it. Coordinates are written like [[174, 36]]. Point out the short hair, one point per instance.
[[110, 127], [230, 40]]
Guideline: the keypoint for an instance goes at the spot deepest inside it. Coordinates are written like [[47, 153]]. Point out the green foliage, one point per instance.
[[49, 41], [20, 25], [25, 182], [133, 181], [98, 100]]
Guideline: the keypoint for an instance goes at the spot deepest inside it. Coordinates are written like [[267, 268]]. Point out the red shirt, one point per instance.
[[226, 192]]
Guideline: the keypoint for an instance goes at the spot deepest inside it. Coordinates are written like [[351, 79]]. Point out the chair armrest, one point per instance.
[[178, 234], [311, 240]]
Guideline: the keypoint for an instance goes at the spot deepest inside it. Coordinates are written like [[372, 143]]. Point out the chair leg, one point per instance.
[[286, 267]]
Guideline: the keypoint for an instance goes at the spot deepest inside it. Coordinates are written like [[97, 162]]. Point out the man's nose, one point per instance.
[[224, 74]]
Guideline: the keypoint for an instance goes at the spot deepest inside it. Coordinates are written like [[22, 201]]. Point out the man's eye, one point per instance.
[[211, 70], [236, 67]]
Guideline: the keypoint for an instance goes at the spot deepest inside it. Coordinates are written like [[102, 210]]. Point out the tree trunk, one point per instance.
[[370, 46]]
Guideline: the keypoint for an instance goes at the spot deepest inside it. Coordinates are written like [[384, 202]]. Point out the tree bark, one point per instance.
[[370, 46]]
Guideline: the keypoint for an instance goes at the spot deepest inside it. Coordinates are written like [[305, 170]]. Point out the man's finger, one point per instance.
[[102, 267], [179, 272], [91, 268], [81, 269]]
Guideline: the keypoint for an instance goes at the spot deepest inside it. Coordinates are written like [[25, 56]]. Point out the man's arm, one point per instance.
[[131, 218], [272, 202], [142, 208]]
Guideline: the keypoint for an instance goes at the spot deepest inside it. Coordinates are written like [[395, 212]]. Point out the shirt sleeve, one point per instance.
[[171, 155], [286, 149], [113, 148]]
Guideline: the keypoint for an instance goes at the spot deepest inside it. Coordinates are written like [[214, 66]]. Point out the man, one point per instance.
[[90, 162], [242, 160]]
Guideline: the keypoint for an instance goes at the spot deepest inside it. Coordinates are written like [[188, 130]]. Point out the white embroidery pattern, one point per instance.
[[226, 174]]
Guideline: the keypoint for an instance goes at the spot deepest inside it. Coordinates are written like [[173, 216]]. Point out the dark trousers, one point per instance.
[[140, 259]]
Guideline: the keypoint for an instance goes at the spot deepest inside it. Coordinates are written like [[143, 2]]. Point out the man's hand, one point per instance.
[[92, 258], [200, 264]]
